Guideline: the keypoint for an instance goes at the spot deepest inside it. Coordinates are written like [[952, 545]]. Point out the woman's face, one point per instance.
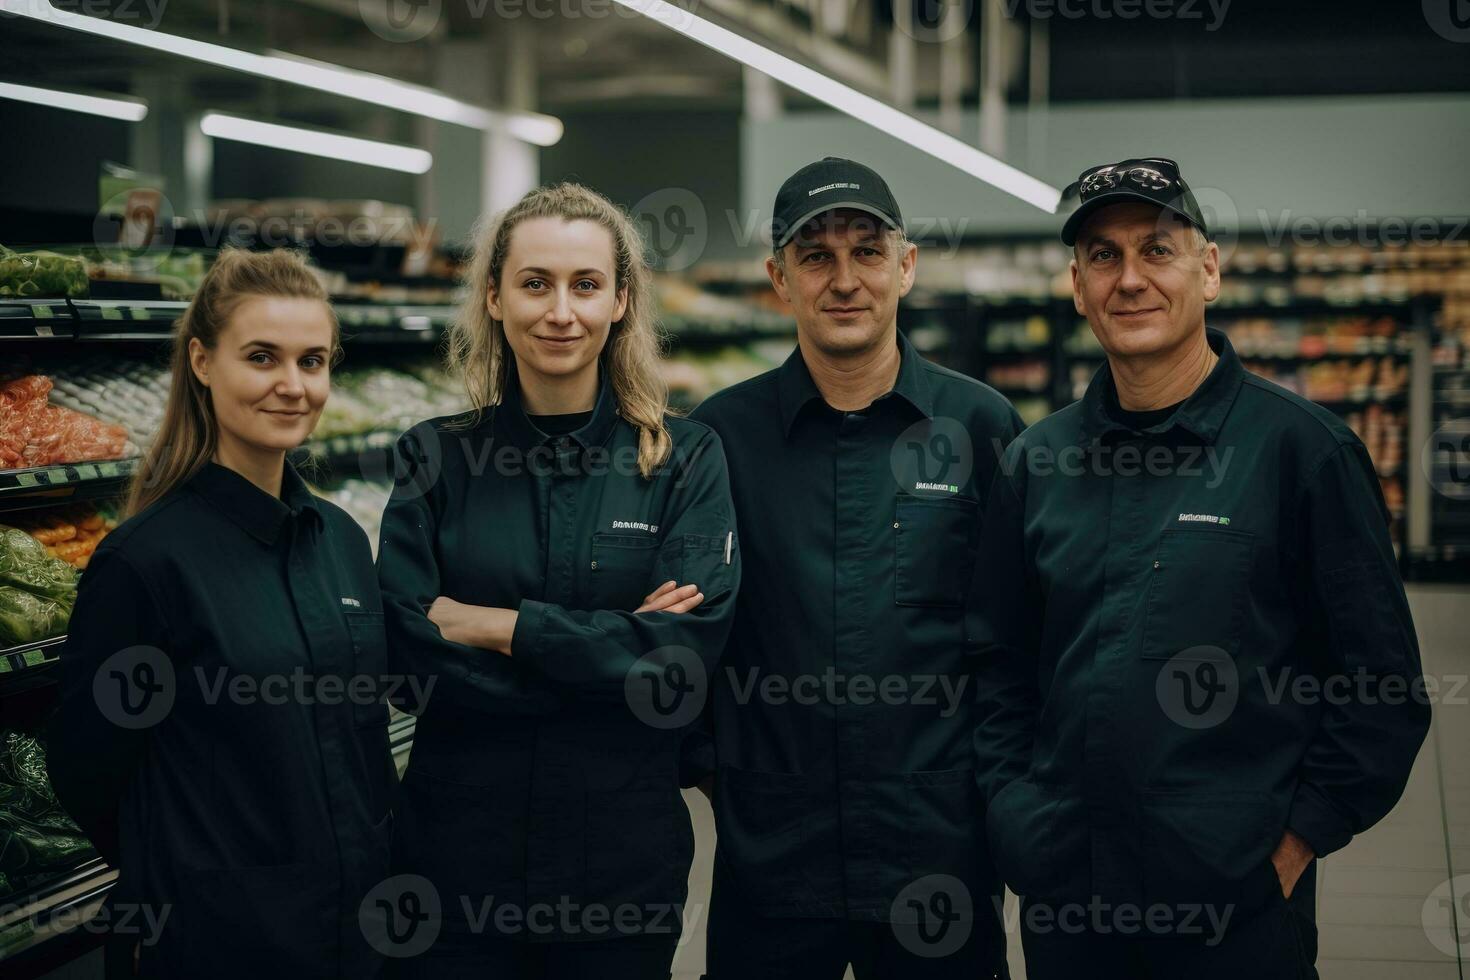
[[557, 296], [269, 373]]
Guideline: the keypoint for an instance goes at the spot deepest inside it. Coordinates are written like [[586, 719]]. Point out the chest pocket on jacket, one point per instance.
[[934, 542], [1198, 586], [622, 565], [369, 659]]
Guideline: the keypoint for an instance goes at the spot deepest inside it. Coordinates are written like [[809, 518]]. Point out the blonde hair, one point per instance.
[[189, 433], [479, 353]]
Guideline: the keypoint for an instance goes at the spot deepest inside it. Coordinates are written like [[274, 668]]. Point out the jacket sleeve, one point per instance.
[[1003, 628], [92, 752], [408, 575], [590, 653], [1356, 765]]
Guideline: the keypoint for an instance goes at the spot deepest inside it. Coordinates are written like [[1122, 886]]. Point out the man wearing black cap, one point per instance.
[[841, 713], [1197, 670]]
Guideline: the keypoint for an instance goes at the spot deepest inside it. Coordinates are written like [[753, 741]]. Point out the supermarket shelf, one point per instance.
[[1011, 391], [94, 320], [52, 910], [126, 319], [1397, 354], [1019, 353], [366, 322], [43, 485], [1354, 404], [1302, 306], [36, 320], [29, 666], [722, 338], [345, 449]]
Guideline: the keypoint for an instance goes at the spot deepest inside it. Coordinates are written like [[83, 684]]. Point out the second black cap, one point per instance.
[[831, 182], [1155, 180]]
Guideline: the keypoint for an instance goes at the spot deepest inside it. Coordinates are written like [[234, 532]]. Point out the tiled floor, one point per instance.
[[1389, 905]]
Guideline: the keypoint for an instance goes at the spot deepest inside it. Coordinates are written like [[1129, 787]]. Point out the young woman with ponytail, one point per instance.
[[560, 563], [214, 737]]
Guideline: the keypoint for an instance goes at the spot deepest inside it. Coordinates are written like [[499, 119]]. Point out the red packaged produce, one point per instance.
[[35, 433]]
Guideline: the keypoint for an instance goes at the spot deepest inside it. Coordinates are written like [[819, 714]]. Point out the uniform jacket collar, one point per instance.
[[257, 512], [512, 422], [1202, 413], [796, 388]]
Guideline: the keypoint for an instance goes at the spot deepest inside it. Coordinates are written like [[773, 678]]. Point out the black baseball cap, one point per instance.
[[830, 183], [1152, 179]]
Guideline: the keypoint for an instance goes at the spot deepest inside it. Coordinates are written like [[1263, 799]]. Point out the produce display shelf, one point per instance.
[[1401, 354], [38, 319], [1310, 306], [28, 657], [56, 907], [89, 320], [392, 324], [346, 447], [706, 337], [42, 485]]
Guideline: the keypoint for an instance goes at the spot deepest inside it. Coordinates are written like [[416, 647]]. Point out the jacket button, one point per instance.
[[895, 523], [1157, 566], [594, 566]]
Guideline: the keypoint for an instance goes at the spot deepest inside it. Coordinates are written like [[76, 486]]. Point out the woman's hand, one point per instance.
[[671, 597], [487, 627]]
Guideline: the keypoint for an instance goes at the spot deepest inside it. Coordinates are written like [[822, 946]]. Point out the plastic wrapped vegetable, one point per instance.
[[37, 838], [25, 274], [24, 564], [36, 433], [28, 618]]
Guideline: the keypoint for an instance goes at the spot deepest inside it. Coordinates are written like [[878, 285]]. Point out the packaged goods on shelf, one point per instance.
[[131, 394], [37, 838], [694, 375], [685, 308], [177, 272], [37, 591], [34, 432], [379, 399], [1031, 333], [1029, 376], [41, 273], [69, 533]]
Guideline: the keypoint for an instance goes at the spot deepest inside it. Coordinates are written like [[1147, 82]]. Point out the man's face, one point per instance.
[[843, 277], [1141, 280]]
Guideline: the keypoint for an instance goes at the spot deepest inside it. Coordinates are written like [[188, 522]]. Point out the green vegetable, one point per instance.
[[41, 274], [37, 838], [25, 565], [29, 618]]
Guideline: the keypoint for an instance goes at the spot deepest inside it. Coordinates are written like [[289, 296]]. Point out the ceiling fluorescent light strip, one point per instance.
[[346, 83], [844, 98], [334, 146], [128, 110]]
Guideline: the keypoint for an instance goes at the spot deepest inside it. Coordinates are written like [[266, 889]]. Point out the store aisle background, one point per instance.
[[1379, 904]]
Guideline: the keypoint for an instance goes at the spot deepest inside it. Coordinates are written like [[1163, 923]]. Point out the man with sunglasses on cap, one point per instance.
[[1197, 667], [841, 720]]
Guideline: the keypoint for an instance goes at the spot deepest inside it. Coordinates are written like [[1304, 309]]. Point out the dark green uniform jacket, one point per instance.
[[213, 738], [551, 776], [1154, 613], [842, 712]]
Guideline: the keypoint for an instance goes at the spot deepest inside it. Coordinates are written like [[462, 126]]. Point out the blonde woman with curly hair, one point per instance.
[[560, 563]]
